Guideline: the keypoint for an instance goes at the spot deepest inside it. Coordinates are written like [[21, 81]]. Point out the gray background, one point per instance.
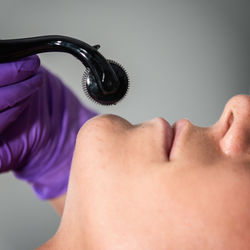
[[184, 58]]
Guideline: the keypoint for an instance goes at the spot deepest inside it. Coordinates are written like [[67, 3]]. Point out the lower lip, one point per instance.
[[167, 132], [177, 128]]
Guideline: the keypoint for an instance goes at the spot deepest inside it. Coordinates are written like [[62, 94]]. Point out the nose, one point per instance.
[[236, 122]]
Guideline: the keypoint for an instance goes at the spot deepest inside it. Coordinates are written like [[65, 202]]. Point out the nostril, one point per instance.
[[227, 123], [230, 120]]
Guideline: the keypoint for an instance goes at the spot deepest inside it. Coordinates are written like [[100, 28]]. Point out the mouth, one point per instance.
[[177, 130], [171, 135]]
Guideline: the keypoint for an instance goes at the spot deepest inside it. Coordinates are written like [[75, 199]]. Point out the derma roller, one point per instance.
[[105, 81]]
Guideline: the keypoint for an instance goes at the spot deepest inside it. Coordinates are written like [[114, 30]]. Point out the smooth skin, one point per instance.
[[127, 192]]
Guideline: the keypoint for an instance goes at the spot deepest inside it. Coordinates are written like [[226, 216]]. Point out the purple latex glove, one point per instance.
[[39, 121]]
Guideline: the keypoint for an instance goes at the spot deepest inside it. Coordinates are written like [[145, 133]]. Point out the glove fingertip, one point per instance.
[[29, 65], [13, 72], [26, 67]]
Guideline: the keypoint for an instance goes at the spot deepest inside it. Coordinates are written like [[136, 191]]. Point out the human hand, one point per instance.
[[39, 121]]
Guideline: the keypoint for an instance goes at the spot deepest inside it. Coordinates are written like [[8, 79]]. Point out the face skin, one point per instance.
[[148, 186]]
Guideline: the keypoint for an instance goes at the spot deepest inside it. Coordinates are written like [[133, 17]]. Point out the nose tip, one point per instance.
[[238, 107], [239, 103]]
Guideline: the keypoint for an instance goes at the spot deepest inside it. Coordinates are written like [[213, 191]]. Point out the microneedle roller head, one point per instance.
[[108, 93]]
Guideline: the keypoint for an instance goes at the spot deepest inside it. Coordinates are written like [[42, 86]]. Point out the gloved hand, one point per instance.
[[39, 121]]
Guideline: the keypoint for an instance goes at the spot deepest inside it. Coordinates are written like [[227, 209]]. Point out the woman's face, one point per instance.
[[153, 186]]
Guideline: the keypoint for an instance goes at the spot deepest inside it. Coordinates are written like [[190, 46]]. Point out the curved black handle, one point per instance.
[[14, 49]]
